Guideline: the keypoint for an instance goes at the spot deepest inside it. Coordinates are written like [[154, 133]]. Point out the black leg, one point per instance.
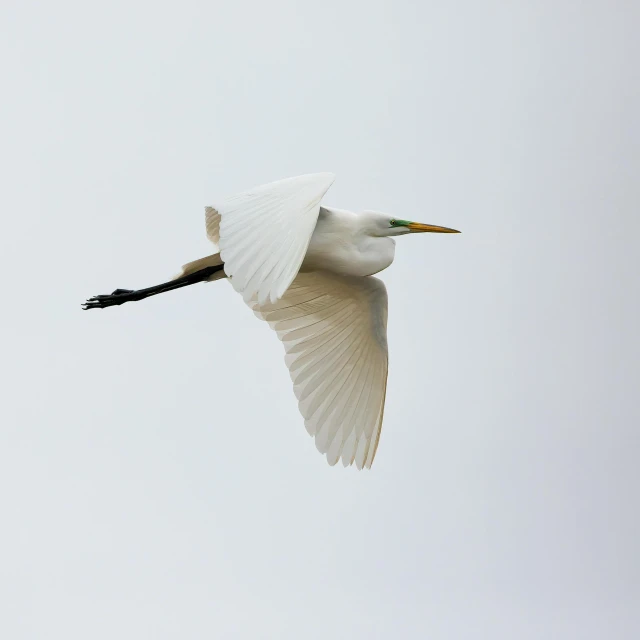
[[120, 296]]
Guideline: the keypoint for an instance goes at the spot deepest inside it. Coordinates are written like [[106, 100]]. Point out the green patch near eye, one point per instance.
[[400, 223]]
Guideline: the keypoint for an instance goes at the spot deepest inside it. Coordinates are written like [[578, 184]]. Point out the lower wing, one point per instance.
[[334, 332]]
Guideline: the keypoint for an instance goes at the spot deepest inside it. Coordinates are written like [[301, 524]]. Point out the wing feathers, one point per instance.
[[334, 332], [264, 233], [333, 328]]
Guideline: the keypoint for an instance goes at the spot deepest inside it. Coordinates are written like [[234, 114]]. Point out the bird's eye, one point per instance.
[[393, 222]]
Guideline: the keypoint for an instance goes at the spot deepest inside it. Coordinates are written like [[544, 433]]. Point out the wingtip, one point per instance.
[[329, 177], [326, 177]]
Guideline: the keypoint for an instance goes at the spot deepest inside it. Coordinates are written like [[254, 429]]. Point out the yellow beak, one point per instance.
[[418, 227]]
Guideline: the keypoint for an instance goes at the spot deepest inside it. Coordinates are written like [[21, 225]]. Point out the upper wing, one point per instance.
[[334, 330], [264, 233]]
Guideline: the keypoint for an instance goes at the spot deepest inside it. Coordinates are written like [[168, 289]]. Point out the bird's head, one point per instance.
[[382, 224]]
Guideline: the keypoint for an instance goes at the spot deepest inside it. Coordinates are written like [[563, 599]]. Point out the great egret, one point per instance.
[[306, 270]]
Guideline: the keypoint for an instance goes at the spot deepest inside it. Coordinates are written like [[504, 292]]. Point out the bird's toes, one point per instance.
[[119, 296], [97, 302]]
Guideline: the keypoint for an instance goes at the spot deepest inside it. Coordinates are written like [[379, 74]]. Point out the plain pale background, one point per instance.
[[157, 480]]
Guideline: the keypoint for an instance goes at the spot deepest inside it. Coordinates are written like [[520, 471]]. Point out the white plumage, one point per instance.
[[306, 270], [264, 234], [334, 331]]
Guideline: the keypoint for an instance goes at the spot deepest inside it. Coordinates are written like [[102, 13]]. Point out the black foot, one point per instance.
[[119, 296]]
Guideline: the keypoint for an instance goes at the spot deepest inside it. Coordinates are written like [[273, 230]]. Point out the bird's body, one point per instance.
[[306, 270], [340, 244]]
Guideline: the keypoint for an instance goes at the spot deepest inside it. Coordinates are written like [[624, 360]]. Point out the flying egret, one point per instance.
[[306, 269]]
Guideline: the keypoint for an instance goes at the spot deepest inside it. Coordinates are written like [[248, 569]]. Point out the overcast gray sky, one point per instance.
[[157, 480]]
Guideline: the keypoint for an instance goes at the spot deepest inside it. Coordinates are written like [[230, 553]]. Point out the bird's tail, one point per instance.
[[213, 260]]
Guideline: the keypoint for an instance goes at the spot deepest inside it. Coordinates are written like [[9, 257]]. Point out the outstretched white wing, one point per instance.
[[264, 233], [334, 330]]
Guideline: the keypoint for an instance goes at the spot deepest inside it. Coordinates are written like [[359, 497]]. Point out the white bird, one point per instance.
[[306, 269]]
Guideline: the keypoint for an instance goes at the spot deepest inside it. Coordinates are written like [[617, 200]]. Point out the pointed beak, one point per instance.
[[418, 227]]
